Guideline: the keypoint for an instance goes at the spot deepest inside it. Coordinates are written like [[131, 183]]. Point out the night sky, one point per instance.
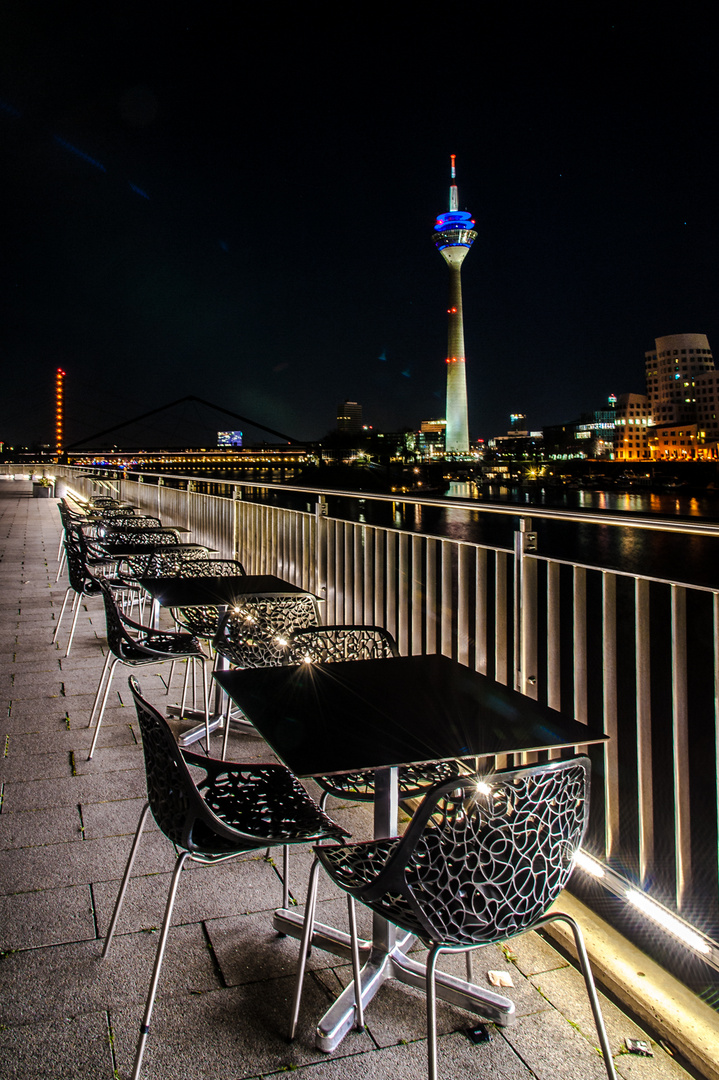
[[237, 202]]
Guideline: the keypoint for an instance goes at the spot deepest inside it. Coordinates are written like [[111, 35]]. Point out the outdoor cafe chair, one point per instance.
[[256, 633], [230, 810], [149, 646], [482, 860], [82, 582], [327, 644]]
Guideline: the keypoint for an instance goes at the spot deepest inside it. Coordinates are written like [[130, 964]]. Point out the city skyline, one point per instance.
[[177, 222]]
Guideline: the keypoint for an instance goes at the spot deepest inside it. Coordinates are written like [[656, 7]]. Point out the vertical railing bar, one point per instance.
[[644, 733], [391, 582], [430, 622], [446, 606], [380, 614], [464, 598], [481, 635], [403, 591], [417, 594], [358, 570], [609, 713], [579, 641], [680, 741], [330, 526], [369, 574], [340, 600], [501, 660], [554, 667]]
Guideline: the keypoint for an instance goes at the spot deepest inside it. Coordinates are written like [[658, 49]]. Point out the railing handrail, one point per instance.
[[586, 517]]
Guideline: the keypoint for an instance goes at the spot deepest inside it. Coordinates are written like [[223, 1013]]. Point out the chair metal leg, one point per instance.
[[101, 713], [125, 880], [184, 688], [469, 966], [61, 567], [159, 957], [431, 992], [226, 735], [76, 612], [62, 612], [106, 665], [286, 876], [359, 1010], [206, 703], [559, 916], [169, 679], [307, 929]]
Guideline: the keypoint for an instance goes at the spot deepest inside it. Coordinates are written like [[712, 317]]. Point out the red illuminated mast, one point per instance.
[[59, 409]]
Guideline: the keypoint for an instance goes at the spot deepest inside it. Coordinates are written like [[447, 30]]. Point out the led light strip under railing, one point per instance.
[[672, 924]]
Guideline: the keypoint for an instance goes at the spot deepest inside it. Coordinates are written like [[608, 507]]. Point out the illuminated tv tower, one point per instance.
[[59, 409], [453, 236]]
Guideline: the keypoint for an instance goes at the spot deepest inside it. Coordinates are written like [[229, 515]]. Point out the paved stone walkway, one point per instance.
[[223, 1004]]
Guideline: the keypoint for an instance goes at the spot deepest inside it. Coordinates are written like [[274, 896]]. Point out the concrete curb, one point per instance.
[[644, 988]]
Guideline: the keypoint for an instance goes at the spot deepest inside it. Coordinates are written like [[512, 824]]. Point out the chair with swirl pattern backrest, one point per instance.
[[482, 860], [256, 633], [229, 810], [329, 644]]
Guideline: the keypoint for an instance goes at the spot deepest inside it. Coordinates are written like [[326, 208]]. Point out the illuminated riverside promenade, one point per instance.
[[67, 824]]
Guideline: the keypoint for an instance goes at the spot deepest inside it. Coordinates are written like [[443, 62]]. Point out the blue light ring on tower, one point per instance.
[[455, 238], [456, 219]]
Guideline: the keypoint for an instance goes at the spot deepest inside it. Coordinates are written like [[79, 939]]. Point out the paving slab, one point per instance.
[[65, 1048], [51, 917]]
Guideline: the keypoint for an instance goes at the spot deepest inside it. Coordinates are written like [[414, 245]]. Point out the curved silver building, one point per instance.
[[453, 236]]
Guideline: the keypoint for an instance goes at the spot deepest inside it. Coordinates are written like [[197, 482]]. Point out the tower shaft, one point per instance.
[[453, 237], [457, 433]]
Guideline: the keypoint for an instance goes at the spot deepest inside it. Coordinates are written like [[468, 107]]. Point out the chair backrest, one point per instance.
[[257, 634], [155, 537], [128, 521], [80, 578], [177, 806], [118, 638], [323, 644], [485, 856]]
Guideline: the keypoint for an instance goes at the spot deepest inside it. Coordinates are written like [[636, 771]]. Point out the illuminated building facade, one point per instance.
[[672, 369], [349, 416], [453, 237], [633, 428]]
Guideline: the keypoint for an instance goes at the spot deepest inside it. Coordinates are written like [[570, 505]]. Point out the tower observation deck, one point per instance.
[[453, 237]]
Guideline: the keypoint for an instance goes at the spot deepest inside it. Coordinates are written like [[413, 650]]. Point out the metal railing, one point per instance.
[[634, 655]]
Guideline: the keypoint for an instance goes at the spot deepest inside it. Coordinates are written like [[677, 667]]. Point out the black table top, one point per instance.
[[123, 550], [197, 591], [348, 716]]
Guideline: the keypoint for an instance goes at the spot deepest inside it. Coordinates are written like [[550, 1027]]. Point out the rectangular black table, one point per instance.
[[227, 591], [339, 717]]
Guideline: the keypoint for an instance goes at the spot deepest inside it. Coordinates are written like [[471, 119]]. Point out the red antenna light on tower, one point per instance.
[[453, 158], [59, 409]]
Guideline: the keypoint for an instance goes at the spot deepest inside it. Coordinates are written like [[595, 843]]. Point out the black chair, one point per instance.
[[326, 644], [204, 620], [148, 647], [482, 860], [231, 810], [81, 570], [257, 633]]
